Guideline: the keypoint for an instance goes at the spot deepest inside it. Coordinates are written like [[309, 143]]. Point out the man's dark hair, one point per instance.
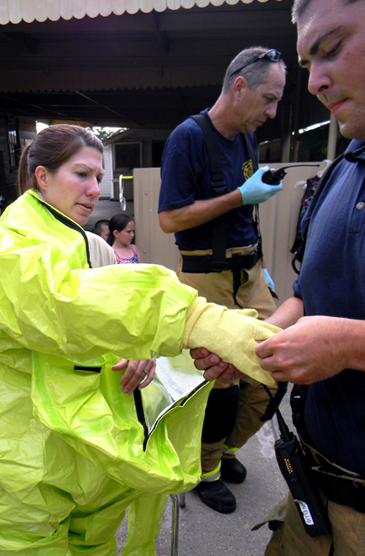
[[98, 228], [299, 7]]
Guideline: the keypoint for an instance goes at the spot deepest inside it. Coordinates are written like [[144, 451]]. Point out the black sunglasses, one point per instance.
[[273, 55]]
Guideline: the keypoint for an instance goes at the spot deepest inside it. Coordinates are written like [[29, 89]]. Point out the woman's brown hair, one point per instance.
[[51, 148]]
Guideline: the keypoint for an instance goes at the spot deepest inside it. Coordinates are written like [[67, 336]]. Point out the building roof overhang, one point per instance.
[[13, 11], [139, 63]]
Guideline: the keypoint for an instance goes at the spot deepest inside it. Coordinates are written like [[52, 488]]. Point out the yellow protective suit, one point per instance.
[[76, 452]]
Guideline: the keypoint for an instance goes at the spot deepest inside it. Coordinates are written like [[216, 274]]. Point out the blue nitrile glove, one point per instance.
[[269, 280], [255, 191]]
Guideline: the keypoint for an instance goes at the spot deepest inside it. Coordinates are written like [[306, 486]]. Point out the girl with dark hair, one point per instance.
[[121, 234]]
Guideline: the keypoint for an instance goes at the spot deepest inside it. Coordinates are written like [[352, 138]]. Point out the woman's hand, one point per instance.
[[213, 365], [138, 374]]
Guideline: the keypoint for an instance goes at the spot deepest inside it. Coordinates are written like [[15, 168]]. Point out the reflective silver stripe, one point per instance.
[[211, 478], [229, 452]]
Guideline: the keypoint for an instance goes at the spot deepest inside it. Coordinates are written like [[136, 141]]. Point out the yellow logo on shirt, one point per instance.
[[247, 169]]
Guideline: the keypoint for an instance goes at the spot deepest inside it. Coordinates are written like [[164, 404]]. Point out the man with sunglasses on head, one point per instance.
[[189, 207]]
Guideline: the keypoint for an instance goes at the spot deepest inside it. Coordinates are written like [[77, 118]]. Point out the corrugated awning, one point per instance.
[[139, 69], [14, 11]]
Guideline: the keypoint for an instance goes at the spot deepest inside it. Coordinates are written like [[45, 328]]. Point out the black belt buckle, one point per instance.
[[218, 266], [246, 262]]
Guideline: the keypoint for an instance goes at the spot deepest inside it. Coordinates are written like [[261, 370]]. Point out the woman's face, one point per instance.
[[74, 188], [125, 237]]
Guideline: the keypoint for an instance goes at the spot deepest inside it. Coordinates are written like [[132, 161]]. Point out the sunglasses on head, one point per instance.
[[273, 55]]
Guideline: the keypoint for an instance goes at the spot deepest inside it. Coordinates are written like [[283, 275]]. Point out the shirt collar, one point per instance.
[[355, 151]]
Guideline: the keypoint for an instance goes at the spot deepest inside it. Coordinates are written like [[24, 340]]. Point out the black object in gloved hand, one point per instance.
[[274, 177]]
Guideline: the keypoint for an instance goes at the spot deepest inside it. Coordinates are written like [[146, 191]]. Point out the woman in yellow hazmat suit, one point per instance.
[[75, 451]]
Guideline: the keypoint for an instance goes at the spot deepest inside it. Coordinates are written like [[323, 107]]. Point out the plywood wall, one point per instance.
[[155, 246]]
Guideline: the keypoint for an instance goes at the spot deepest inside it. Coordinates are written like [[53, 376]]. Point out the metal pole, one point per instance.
[[298, 99], [175, 524], [286, 134], [332, 139]]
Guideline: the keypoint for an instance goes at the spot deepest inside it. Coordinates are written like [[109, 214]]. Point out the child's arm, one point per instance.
[[138, 253]]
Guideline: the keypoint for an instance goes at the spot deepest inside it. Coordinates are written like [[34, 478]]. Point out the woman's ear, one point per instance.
[[115, 233], [41, 176]]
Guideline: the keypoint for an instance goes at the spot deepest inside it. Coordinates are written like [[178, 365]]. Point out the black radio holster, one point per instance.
[[294, 467]]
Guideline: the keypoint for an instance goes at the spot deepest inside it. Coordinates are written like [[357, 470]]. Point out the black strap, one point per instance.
[[219, 186], [284, 430], [218, 182], [251, 152], [299, 254]]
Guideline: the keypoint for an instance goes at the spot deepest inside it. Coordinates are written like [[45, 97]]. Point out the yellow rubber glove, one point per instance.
[[230, 334]]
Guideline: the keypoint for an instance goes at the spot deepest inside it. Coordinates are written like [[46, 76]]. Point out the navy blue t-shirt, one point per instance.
[[332, 283], [186, 178]]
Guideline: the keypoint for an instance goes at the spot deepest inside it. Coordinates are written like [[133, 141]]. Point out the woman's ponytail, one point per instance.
[[24, 182]]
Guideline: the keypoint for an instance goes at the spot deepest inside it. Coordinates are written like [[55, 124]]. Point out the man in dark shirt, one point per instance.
[[325, 349], [252, 88]]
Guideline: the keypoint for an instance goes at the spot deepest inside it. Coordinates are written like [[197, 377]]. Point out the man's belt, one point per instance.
[[343, 489], [202, 264], [337, 484]]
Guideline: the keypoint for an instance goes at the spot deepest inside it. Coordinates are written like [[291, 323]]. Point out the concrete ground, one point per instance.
[[204, 532]]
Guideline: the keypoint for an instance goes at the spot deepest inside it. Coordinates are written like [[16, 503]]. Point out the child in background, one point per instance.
[[101, 229], [121, 234]]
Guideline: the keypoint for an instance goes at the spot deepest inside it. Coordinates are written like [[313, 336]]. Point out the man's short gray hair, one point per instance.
[[300, 6], [255, 74]]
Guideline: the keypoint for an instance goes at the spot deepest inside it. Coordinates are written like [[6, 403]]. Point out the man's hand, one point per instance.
[[138, 373], [307, 352], [255, 191], [213, 365]]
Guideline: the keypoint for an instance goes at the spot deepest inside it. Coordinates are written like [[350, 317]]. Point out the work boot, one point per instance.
[[233, 471], [216, 495]]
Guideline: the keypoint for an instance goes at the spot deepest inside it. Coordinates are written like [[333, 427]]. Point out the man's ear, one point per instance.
[[239, 87], [41, 176]]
